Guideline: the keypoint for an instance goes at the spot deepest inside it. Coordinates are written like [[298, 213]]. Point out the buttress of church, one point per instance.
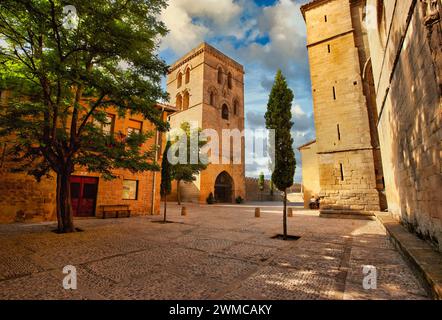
[[207, 87], [344, 98]]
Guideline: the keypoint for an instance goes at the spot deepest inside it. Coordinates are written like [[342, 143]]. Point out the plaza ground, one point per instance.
[[216, 252]]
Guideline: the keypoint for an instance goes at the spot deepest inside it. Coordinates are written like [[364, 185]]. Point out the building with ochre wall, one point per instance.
[[207, 88], [405, 42], [24, 199], [310, 171], [350, 166]]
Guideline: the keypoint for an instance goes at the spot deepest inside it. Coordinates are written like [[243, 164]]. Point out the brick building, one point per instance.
[[22, 198]]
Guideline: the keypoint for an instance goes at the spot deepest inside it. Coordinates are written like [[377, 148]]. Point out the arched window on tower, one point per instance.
[[229, 80], [187, 75], [225, 112], [186, 100], [235, 107], [382, 25], [220, 75], [179, 80], [179, 101], [212, 100]]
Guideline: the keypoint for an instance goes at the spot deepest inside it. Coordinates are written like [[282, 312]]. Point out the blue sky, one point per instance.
[[263, 35]]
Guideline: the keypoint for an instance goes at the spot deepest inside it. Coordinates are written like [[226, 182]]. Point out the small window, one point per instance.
[[186, 100], [235, 108], [134, 127], [334, 93], [382, 25], [325, 18], [220, 75], [212, 98], [179, 101], [342, 171], [328, 48], [225, 112], [179, 80], [339, 132], [187, 75], [109, 127], [229, 80], [130, 189]]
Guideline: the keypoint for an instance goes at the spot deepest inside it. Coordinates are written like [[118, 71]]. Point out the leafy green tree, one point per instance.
[[166, 178], [279, 118], [187, 171], [261, 182], [64, 76]]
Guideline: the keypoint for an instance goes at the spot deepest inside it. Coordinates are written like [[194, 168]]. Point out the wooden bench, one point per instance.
[[114, 211]]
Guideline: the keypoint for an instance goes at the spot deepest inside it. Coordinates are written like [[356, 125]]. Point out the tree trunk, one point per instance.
[[65, 215], [285, 215], [178, 192], [165, 207]]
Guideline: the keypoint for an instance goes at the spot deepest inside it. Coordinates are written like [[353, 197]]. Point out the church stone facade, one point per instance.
[[350, 168], [406, 54], [376, 69], [207, 88]]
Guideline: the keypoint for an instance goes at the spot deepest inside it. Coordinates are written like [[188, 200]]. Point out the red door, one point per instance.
[[84, 196]]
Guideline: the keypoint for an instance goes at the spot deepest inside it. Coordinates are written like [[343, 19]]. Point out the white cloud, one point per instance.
[[234, 27], [284, 25], [189, 22], [297, 111]]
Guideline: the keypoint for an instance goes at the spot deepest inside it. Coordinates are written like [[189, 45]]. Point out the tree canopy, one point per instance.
[[279, 118], [65, 74], [188, 170]]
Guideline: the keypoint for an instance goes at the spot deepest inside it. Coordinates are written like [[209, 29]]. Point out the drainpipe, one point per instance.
[[154, 183]]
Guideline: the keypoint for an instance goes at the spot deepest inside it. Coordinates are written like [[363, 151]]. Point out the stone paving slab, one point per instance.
[[285, 284], [216, 252], [424, 259]]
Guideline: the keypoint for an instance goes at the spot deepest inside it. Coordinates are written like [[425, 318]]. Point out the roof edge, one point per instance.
[[310, 5], [306, 144]]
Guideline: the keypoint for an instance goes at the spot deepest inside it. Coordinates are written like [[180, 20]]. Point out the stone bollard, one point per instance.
[[290, 213], [184, 211], [257, 212]]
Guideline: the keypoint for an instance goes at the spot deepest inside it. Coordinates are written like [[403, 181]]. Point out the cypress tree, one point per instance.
[[279, 118]]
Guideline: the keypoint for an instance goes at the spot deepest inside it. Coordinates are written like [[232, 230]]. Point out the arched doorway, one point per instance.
[[224, 188]]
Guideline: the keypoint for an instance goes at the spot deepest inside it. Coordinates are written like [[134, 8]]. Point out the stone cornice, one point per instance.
[[211, 50], [310, 5]]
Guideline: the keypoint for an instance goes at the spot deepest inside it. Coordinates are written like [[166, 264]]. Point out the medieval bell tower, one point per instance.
[[207, 87]]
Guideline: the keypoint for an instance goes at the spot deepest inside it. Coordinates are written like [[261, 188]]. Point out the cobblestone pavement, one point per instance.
[[216, 252]]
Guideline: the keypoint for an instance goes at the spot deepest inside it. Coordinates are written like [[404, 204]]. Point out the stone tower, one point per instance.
[[208, 89], [350, 165]]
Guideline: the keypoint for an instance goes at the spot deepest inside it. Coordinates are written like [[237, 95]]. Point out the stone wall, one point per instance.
[[253, 193], [204, 110], [22, 198], [310, 172], [406, 55], [342, 106]]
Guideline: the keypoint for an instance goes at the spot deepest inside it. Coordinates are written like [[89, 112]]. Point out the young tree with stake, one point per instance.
[[195, 162], [166, 178], [261, 182], [279, 118]]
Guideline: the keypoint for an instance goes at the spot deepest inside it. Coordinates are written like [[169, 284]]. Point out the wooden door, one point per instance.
[[84, 195]]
